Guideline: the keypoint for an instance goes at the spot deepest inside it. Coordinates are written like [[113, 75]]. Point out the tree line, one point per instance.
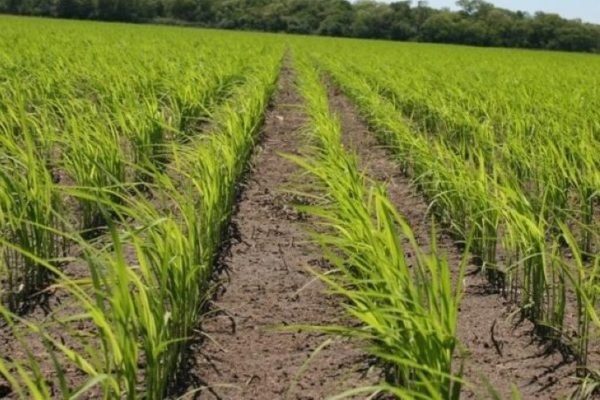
[[477, 22]]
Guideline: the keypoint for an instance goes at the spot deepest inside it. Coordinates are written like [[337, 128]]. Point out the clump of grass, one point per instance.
[[29, 202], [163, 195], [407, 307], [507, 169]]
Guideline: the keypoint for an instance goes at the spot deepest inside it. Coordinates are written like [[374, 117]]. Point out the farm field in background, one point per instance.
[[125, 151]]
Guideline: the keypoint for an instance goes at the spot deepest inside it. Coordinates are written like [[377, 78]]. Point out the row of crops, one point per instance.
[[120, 151], [402, 296], [504, 146]]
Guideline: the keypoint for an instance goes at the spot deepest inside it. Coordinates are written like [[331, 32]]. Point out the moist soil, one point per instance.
[[245, 354], [496, 346], [57, 305]]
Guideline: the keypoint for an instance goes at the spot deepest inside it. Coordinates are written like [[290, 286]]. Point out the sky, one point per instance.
[[587, 10]]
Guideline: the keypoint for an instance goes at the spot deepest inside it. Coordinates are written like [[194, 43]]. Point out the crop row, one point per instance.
[[516, 174], [402, 297], [119, 173], [87, 117]]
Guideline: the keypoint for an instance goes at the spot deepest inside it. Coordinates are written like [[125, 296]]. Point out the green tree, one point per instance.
[[440, 27], [478, 22], [182, 9], [338, 17], [371, 20], [474, 7]]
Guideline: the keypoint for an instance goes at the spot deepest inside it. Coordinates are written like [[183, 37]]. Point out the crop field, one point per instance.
[[189, 213]]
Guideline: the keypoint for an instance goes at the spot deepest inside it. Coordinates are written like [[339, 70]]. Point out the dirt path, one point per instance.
[[509, 354], [268, 285]]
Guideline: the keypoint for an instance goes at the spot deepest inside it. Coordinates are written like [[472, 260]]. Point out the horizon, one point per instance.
[[586, 10]]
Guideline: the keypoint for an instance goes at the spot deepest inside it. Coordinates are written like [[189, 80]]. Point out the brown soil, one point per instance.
[[57, 305], [497, 348], [268, 286]]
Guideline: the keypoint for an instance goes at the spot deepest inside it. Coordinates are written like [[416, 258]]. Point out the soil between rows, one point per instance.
[[498, 348], [268, 286]]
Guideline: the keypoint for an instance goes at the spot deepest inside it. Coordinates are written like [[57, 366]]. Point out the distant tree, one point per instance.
[[34, 7], [474, 7], [402, 30], [11, 6], [577, 38], [183, 9], [337, 24], [402, 25], [371, 20], [441, 27], [273, 17], [68, 8], [105, 9], [401, 7], [149, 9], [544, 29], [302, 16], [477, 22], [420, 14], [337, 18], [205, 12], [500, 27]]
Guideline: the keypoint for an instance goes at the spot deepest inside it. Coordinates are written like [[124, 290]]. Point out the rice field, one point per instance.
[[125, 152]]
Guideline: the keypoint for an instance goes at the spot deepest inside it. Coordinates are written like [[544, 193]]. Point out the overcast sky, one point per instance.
[[587, 10]]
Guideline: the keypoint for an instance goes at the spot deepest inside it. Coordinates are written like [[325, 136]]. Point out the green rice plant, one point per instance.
[[149, 276], [507, 167], [472, 195], [99, 109], [584, 280], [28, 199], [510, 198], [94, 160], [407, 308], [26, 377], [146, 130]]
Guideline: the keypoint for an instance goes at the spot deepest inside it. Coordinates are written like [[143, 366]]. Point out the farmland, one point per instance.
[[191, 213]]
